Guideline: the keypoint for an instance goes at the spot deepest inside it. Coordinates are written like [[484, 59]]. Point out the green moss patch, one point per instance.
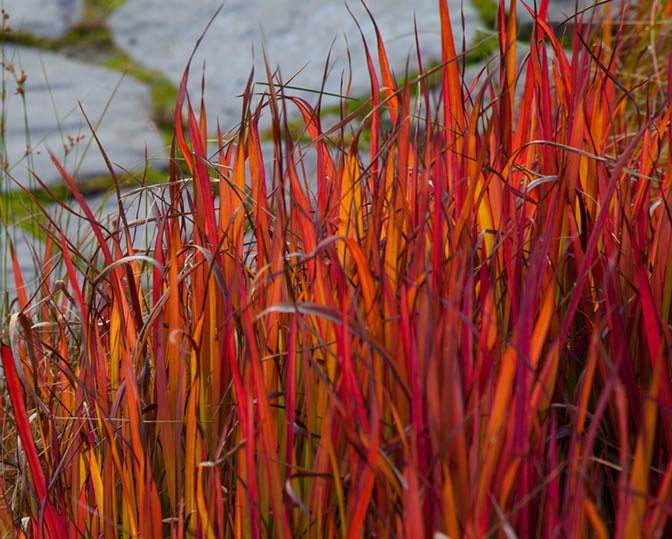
[[23, 209], [487, 11]]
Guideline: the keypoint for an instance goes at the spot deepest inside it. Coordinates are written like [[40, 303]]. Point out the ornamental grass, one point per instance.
[[458, 325]]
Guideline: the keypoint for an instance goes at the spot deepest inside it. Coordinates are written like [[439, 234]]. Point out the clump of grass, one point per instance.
[[461, 328]]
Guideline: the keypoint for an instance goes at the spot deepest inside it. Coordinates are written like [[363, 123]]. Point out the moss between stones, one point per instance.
[[17, 207], [487, 11], [90, 40], [164, 92], [99, 9]]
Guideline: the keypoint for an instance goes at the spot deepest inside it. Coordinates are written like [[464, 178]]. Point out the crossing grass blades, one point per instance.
[[459, 325]]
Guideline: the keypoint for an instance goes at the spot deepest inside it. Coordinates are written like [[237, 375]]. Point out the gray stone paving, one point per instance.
[[297, 35], [43, 18], [52, 89]]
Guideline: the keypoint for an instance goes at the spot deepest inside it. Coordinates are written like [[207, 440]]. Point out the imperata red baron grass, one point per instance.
[[459, 327]]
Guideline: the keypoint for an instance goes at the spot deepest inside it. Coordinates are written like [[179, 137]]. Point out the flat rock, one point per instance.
[[43, 18], [53, 87], [296, 36]]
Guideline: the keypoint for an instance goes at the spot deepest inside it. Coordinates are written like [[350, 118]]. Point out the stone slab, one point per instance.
[[43, 18], [53, 87], [297, 36]]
